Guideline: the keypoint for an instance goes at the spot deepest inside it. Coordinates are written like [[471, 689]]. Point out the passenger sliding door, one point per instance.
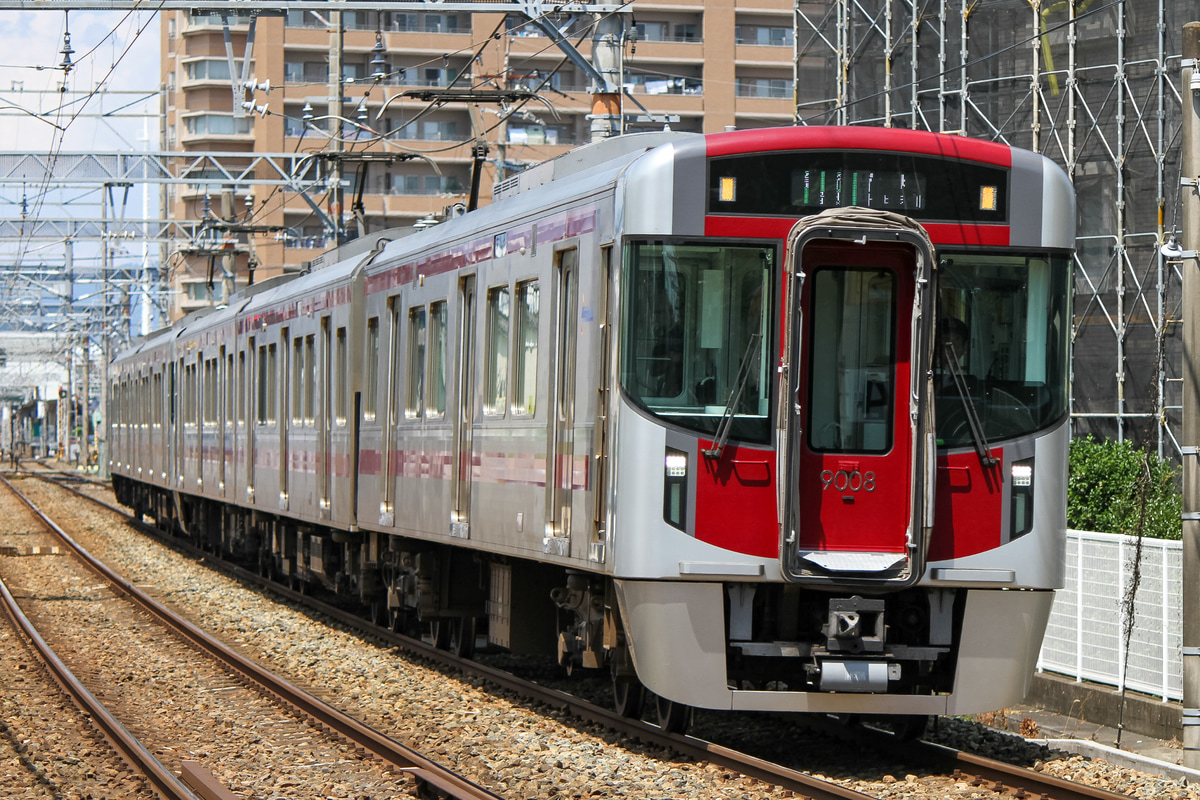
[[464, 416], [857, 439], [560, 414]]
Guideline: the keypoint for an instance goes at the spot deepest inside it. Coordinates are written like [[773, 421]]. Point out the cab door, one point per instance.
[[858, 442]]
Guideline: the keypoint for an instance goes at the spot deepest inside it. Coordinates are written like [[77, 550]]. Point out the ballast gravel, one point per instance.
[[515, 750]]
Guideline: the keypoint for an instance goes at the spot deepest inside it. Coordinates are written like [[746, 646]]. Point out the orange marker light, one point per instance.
[[987, 198], [728, 192]]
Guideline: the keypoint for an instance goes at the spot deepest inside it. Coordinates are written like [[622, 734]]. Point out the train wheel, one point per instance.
[[629, 696], [462, 637], [377, 612], [672, 717], [909, 728], [404, 622], [439, 631]]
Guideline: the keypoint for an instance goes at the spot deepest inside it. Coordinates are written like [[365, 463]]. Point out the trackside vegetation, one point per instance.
[[1114, 487]]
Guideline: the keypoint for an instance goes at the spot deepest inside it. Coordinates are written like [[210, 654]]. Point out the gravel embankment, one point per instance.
[[515, 750]]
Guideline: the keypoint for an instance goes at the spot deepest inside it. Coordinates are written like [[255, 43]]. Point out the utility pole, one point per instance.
[[607, 43], [336, 198], [105, 339], [1190, 440]]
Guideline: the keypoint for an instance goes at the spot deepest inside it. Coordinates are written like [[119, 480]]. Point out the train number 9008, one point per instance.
[[848, 480]]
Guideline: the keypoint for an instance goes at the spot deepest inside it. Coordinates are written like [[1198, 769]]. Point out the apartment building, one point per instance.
[[695, 66]]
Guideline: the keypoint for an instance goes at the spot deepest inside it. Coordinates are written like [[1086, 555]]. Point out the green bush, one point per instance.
[[1109, 482]]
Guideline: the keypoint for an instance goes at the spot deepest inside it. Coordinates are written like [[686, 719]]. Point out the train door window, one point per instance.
[[203, 370], [192, 389], [496, 375], [852, 324], [310, 379], [371, 378], [241, 388], [195, 391], [395, 361], [435, 404], [210, 391], [415, 390], [157, 400], [171, 393], [566, 330], [298, 375], [230, 391], [525, 364], [263, 380], [272, 383], [343, 381]]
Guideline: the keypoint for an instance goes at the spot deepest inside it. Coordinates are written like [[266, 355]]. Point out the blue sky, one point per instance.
[[107, 50]]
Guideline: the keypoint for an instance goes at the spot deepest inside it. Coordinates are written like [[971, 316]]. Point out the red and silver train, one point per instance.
[[760, 420]]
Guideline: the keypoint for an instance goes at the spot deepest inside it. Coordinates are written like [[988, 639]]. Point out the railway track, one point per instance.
[[971, 774], [280, 718]]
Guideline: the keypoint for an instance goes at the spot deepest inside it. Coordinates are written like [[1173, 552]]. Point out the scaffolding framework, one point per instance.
[[1091, 84]]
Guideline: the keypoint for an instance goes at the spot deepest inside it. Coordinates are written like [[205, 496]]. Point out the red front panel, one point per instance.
[[735, 501], [969, 505]]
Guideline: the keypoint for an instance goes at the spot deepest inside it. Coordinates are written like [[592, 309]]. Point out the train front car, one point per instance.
[[840, 456]]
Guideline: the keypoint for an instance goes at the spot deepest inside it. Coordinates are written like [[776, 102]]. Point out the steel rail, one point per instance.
[[998, 776], [131, 749], [424, 770]]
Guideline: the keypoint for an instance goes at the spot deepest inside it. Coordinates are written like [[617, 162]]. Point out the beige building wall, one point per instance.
[[707, 66]]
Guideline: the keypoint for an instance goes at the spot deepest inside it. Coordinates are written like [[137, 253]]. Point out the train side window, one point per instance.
[[339, 411], [415, 389], [496, 375], [435, 404], [310, 379], [371, 378], [525, 365]]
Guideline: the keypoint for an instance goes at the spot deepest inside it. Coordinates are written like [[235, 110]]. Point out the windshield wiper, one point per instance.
[[981, 444], [735, 397]]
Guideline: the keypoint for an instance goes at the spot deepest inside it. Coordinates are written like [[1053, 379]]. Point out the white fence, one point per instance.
[[1085, 637]]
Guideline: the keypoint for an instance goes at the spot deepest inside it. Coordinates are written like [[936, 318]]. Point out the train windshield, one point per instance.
[[696, 334], [1001, 345]]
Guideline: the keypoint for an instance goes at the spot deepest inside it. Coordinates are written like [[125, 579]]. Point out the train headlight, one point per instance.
[[1021, 505], [676, 464], [675, 490], [1022, 473]]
